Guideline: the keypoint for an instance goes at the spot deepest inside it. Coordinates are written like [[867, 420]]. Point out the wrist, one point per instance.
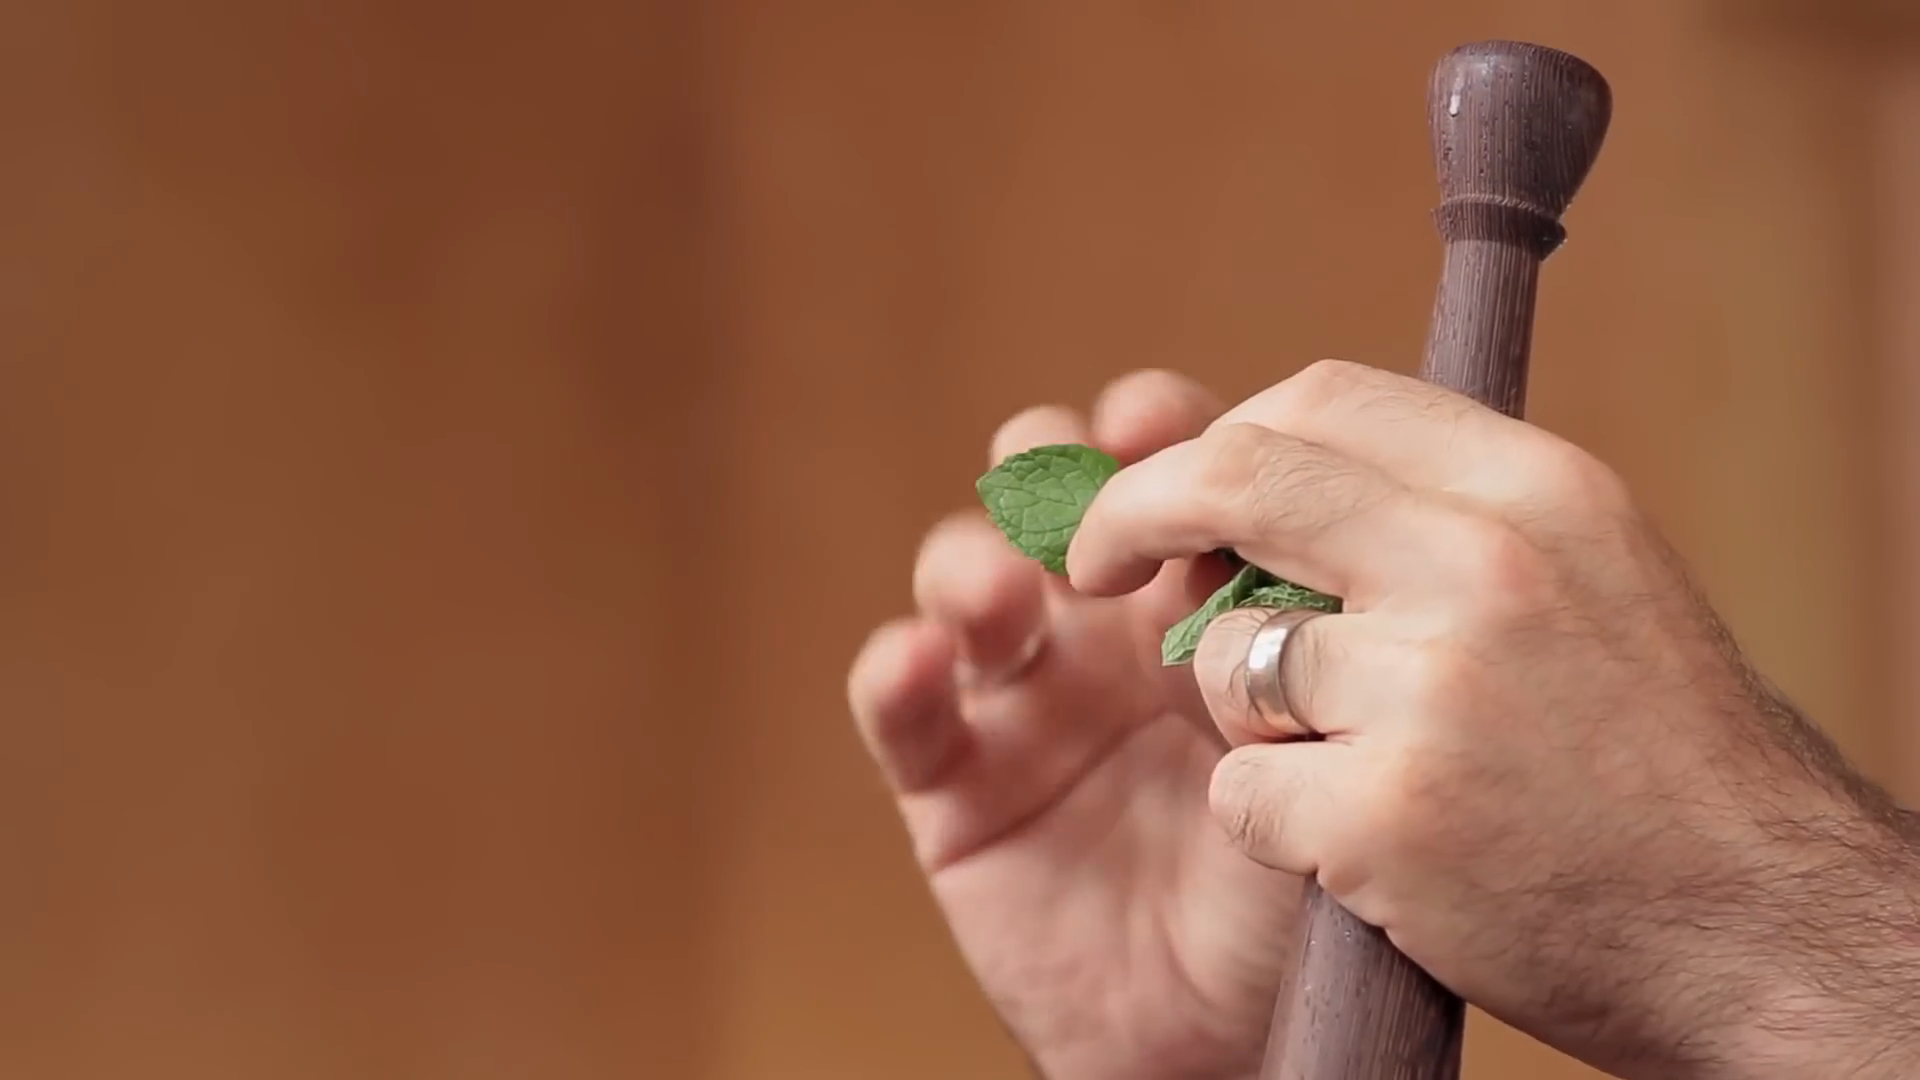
[[1835, 971]]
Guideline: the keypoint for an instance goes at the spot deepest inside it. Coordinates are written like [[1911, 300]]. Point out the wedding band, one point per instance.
[[1265, 655]]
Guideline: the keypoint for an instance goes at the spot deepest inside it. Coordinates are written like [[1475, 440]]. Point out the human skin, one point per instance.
[[1058, 802], [1545, 768]]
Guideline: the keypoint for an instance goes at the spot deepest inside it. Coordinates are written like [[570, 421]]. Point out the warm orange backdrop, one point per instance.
[[450, 452]]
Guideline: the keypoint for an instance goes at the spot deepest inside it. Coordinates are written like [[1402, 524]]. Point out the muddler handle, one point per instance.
[[1515, 128]]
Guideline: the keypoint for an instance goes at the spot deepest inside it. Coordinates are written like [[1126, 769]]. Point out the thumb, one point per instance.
[[1274, 801]]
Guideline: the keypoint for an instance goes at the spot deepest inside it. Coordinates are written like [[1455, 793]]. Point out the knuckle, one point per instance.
[[1435, 678], [1315, 388], [1152, 384], [927, 567], [1572, 476], [1498, 561], [1261, 473], [1035, 421], [1237, 455], [1326, 381], [937, 552], [1012, 425], [874, 690]]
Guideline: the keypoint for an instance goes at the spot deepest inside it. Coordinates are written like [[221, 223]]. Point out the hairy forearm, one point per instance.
[[1853, 1006], [1787, 944], [1837, 965]]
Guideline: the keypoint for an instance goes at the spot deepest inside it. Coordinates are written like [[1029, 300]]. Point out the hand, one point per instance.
[[1053, 777], [1545, 771]]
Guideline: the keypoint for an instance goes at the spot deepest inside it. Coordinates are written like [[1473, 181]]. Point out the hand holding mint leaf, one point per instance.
[[1037, 499]]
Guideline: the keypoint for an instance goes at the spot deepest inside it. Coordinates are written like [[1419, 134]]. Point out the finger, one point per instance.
[[1421, 435], [1302, 511], [1042, 425], [1180, 589], [905, 706], [1137, 415], [1310, 656], [992, 598], [1277, 802], [1148, 411]]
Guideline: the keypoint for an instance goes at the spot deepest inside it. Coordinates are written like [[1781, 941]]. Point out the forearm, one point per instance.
[[1837, 972]]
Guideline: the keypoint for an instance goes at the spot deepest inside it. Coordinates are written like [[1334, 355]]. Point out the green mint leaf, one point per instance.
[[1037, 497], [1183, 638], [1251, 587], [1286, 596]]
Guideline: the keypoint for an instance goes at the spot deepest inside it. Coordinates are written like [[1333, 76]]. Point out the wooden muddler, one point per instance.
[[1515, 130]]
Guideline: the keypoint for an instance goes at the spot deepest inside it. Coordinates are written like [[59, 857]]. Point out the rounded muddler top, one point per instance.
[[1516, 128]]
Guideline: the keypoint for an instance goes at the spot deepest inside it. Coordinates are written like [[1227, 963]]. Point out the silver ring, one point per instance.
[[1265, 655]]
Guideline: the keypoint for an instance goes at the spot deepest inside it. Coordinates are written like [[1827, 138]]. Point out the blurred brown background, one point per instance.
[[413, 411]]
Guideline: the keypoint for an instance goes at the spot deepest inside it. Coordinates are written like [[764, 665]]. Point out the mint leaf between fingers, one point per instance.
[[1283, 595], [1252, 587], [1183, 638], [1037, 499]]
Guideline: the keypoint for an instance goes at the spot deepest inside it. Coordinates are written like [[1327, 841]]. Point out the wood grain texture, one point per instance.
[[1516, 128], [1359, 1009]]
